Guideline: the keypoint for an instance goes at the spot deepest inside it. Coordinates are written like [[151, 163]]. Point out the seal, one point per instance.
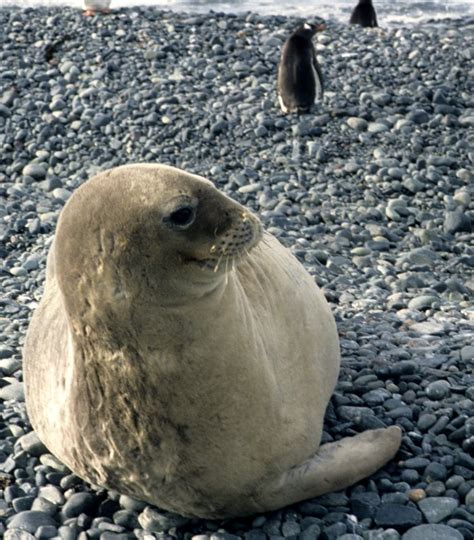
[[181, 355], [300, 80], [92, 7], [364, 14]]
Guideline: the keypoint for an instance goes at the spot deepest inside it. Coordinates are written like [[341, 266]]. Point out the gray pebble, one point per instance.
[[438, 390], [18, 534], [435, 509], [15, 390], [377, 127], [359, 124], [457, 221], [30, 521], [31, 444], [422, 302], [35, 170], [418, 116], [153, 520], [397, 515], [79, 503], [432, 532]]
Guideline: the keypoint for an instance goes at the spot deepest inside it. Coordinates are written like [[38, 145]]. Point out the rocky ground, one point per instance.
[[372, 193]]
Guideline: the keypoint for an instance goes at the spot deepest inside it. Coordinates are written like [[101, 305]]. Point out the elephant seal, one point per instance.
[[364, 14], [300, 81], [181, 355]]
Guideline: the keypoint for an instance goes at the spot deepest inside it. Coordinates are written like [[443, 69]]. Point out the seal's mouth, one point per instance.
[[231, 247]]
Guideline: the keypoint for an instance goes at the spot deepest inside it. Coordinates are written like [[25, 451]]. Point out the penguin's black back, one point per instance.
[[364, 14], [298, 72]]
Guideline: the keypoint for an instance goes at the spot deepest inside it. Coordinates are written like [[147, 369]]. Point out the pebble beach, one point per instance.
[[372, 192]]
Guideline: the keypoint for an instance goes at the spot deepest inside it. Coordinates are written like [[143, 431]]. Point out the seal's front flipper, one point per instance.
[[334, 467]]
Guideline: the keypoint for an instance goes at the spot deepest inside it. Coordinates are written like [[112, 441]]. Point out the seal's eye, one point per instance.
[[181, 218]]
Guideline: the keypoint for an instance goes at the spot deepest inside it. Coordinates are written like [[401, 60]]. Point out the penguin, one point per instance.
[[93, 6], [300, 80], [364, 14]]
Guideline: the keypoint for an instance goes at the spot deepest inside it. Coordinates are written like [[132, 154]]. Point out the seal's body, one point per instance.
[[182, 356], [93, 6], [300, 81], [364, 14]]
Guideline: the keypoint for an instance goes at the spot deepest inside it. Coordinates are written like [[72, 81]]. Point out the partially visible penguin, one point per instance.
[[300, 81], [364, 14]]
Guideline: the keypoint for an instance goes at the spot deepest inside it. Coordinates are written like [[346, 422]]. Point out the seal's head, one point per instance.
[[148, 233]]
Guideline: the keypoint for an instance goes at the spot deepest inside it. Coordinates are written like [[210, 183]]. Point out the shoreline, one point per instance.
[[372, 193], [388, 21]]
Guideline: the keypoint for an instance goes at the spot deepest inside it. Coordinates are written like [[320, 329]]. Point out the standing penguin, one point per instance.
[[300, 80], [364, 14]]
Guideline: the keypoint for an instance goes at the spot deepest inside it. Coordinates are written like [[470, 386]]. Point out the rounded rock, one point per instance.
[[438, 390], [35, 170], [30, 521], [79, 503], [432, 532]]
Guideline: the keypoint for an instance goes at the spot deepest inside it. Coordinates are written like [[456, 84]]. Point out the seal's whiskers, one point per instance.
[[216, 268]]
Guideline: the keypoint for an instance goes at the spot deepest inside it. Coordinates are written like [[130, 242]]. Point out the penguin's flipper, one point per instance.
[[374, 19], [283, 107]]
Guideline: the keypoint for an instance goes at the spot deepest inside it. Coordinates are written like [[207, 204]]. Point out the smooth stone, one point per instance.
[[418, 116], [438, 390], [435, 509], [397, 515], [13, 391], [435, 471], [470, 497], [413, 185], [30, 520], [20, 504], [310, 533], [425, 421], [457, 221], [432, 532], [153, 520], [53, 462], [365, 504], [467, 121], [101, 120], [422, 302], [290, 528], [321, 120], [52, 494], [8, 366], [133, 505], [396, 172], [31, 444], [4, 111], [79, 503], [359, 124], [18, 534], [427, 328], [5, 352], [416, 495], [126, 518], [219, 127], [35, 170], [377, 127]]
